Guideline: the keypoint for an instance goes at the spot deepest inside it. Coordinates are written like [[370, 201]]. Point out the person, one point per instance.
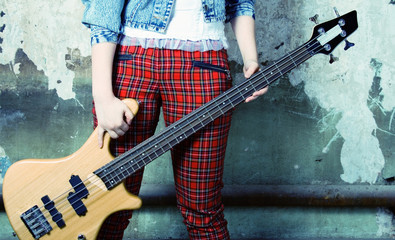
[[145, 49]]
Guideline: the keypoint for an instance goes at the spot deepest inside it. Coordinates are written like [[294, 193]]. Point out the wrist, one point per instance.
[[250, 61], [102, 96]]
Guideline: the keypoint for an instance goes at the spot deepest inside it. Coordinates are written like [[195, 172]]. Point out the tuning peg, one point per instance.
[[314, 19], [332, 58], [336, 12], [348, 45]]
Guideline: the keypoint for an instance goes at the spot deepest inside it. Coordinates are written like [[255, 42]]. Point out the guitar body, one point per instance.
[[27, 181]]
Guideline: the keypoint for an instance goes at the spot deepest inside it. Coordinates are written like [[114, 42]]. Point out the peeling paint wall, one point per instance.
[[320, 124], [45, 38], [344, 87]]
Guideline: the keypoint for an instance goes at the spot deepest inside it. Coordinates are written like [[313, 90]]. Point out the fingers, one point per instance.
[[113, 132], [251, 98], [128, 116], [250, 67], [115, 123], [256, 94], [117, 130], [120, 129], [249, 72]]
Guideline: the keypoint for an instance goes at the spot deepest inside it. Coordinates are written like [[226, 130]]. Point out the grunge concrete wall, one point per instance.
[[321, 124]]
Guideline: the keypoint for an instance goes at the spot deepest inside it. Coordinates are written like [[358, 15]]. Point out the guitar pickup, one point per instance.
[[56, 215], [75, 198]]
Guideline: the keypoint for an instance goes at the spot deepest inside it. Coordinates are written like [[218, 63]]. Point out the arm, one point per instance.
[[103, 17], [113, 115], [244, 29]]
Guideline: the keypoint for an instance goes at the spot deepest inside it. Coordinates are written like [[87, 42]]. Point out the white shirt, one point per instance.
[[186, 25]]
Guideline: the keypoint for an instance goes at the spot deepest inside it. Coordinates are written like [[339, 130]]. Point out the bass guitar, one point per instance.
[[70, 197]]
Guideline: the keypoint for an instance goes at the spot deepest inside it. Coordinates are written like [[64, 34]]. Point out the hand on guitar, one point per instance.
[[112, 114], [114, 117], [250, 67], [244, 29]]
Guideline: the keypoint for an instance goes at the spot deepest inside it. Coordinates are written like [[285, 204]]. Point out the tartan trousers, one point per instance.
[[166, 78]]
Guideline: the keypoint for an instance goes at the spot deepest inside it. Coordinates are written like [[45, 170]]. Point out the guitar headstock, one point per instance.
[[326, 36]]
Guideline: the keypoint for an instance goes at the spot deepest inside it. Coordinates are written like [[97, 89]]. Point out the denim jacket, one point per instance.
[[106, 18]]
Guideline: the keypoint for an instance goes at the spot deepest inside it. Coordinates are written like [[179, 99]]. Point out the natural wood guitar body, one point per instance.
[[27, 181]]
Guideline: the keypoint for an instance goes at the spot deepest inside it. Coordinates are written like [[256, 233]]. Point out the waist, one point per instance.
[[201, 45]]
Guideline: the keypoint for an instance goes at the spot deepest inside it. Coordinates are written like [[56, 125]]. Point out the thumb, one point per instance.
[[128, 115], [250, 67], [100, 136], [248, 72]]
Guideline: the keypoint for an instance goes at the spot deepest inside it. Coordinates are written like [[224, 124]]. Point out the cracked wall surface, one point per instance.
[[49, 39]]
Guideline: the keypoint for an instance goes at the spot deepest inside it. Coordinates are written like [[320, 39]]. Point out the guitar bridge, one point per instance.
[[36, 222]]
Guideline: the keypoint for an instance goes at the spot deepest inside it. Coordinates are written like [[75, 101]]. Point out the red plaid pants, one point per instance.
[[167, 79]]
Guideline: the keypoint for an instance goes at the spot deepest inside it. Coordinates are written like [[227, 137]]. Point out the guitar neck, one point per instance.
[[126, 164]]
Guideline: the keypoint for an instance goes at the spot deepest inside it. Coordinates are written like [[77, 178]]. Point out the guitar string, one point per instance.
[[259, 73], [120, 161], [180, 122], [307, 55], [149, 154]]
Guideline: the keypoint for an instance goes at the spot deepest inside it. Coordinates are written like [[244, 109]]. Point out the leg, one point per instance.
[[198, 161], [132, 79], [198, 169]]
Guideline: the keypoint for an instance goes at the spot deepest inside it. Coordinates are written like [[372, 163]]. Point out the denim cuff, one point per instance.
[[100, 34], [240, 8]]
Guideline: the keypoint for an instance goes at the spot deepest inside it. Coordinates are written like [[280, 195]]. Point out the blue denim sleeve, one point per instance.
[[100, 34], [103, 13], [235, 8]]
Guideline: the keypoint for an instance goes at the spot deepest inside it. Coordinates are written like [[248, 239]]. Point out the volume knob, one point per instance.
[[81, 237]]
